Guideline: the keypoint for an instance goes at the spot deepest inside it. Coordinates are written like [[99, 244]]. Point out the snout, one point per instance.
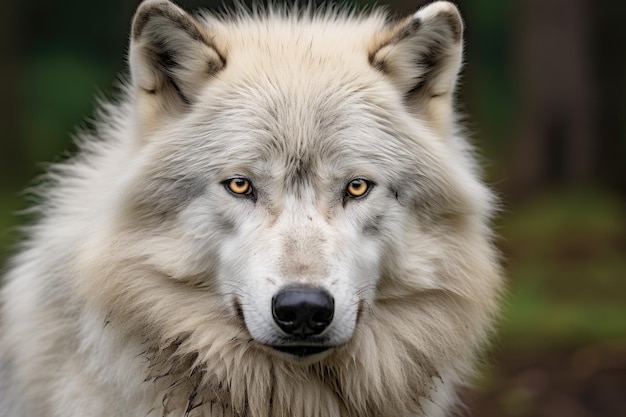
[[303, 311], [301, 323]]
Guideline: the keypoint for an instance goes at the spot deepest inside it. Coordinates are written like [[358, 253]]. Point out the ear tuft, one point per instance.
[[448, 15], [422, 54], [171, 55]]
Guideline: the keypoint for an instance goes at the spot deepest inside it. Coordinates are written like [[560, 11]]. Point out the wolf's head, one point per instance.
[[297, 187]]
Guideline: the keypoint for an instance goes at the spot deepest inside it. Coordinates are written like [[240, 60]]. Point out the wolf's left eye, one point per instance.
[[358, 187], [239, 186]]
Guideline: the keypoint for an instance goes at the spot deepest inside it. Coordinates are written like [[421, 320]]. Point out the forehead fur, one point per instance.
[[292, 32], [298, 80]]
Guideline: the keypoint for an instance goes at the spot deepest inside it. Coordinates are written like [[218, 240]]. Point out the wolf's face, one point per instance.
[[303, 203], [290, 175], [301, 195]]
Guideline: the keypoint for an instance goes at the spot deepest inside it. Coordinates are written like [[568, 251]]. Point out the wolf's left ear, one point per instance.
[[422, 56], [172, 56]]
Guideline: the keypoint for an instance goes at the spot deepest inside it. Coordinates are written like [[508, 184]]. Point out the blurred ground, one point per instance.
[[588, 381]]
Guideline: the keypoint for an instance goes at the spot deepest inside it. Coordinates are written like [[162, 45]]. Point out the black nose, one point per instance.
[[303, 310]]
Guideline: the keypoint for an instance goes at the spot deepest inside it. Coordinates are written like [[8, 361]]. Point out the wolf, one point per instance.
[[281, 216]]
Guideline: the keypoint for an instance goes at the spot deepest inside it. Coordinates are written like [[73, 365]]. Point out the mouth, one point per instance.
[[301, 351]]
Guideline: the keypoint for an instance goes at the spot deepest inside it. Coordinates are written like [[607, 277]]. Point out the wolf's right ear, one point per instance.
[[171, 57]]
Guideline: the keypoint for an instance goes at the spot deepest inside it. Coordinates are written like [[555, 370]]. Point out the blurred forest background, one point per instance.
[[544, 90]]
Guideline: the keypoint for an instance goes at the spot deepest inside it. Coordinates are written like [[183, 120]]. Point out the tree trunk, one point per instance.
[[554, 138]]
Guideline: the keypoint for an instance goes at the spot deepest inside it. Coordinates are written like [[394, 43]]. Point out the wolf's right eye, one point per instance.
[[239, 186]]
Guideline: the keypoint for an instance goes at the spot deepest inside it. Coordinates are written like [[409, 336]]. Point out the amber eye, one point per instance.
[[239, 186], [358, 187]]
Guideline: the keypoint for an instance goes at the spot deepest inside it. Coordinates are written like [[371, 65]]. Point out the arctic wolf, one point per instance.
[[280, 217]]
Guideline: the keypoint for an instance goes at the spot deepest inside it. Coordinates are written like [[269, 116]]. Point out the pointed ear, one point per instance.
[[422, 57], [171, 57]]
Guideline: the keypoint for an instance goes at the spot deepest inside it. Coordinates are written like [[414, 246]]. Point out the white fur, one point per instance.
[[145, 288]]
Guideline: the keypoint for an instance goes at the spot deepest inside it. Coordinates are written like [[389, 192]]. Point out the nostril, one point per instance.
[[322, 316], [303, 310], [285, 314]]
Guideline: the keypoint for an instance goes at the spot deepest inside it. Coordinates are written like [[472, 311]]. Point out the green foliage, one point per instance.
[[58, 90]]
